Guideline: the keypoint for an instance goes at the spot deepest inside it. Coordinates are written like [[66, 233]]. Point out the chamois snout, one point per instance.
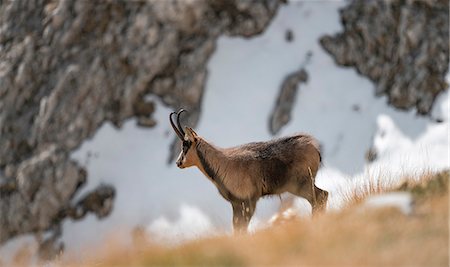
[[180, 161]]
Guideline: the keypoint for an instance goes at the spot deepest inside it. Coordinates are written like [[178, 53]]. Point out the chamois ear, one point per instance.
[[191, 134]]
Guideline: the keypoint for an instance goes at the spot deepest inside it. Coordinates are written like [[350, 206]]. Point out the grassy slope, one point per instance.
[[351, 237]]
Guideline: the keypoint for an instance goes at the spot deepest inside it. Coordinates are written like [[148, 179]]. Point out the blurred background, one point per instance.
[[86, 88]]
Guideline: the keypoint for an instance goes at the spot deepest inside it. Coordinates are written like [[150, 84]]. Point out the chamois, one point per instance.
[[245, 173]]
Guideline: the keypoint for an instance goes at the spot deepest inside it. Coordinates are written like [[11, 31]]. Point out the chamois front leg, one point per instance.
[[242, 214]]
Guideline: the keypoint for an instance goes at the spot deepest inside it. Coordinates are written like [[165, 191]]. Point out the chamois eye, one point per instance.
[[186, 145]]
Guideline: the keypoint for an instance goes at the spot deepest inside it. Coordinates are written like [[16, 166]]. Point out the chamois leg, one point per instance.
[[242, 214], [318, 201], [321, 200]]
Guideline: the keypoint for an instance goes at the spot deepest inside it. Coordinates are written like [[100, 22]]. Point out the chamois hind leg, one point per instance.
[[242, 213], [321, 199], [318, 201]]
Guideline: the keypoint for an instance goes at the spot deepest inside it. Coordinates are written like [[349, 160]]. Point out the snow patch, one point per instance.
[[402, 156], [191, 224], [401, 200]]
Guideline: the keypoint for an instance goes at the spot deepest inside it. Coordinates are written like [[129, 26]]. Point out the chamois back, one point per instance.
[[263, 168]]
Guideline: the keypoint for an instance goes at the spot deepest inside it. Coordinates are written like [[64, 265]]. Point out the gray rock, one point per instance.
[[45, 183], [66, 67], [402, 46], [281, 113]]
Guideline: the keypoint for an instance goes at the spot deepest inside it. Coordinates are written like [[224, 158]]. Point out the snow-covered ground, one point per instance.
[[244, 78]]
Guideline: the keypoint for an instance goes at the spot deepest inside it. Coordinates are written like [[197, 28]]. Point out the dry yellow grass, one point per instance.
[[380, 182], [351, 237]]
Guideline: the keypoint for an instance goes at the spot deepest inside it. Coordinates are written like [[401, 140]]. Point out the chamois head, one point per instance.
[[188, 156]]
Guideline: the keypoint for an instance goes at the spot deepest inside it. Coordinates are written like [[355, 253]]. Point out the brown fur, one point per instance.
[[243, 174]]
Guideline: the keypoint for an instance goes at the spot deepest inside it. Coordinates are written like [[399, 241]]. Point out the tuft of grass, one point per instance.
[[376, 183], [429, 186], [191, 256]]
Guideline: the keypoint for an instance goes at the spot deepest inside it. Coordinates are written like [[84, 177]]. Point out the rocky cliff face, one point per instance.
[[66, 67], [402, 46]]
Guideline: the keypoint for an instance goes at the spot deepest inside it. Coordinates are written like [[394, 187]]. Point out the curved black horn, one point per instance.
[[178, 121], [181, 136]]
